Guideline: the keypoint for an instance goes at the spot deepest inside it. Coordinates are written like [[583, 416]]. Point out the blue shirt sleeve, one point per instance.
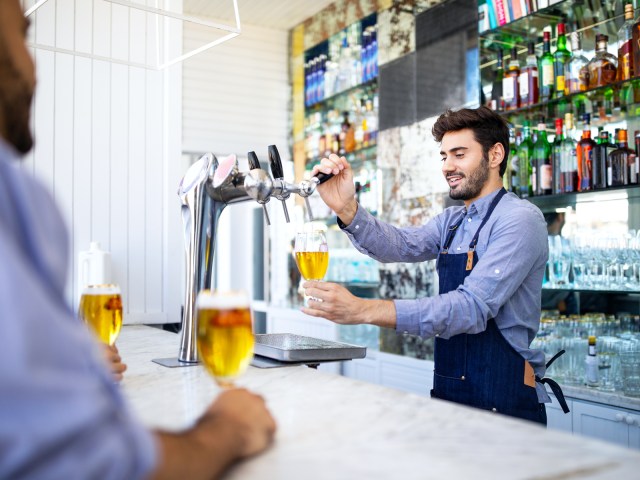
[[62, 416]]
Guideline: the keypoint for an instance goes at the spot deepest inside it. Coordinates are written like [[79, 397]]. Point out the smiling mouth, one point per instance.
[[454, 180]]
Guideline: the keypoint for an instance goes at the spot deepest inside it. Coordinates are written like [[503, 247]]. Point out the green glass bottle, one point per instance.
[[541, 175], [525, 153], [546, 79], [561, 58]]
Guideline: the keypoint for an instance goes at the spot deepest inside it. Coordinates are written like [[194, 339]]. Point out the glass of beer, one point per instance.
[[224, 334], [101, 309], [312, 254]]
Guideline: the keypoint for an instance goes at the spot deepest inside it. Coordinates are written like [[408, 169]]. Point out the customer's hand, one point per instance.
[[114, 362], [250, 425], [338, 192]]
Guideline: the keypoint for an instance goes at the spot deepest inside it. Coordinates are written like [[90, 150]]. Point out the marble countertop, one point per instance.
[[330, 426]]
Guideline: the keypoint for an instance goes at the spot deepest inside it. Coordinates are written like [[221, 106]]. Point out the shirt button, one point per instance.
[[494, 409], [406, 333], [496, 271], [458, 248], [468, 219], [437, 334], [357, 227]]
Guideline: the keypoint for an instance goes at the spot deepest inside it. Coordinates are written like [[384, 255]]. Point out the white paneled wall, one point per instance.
[[236, 99], [108, 144]]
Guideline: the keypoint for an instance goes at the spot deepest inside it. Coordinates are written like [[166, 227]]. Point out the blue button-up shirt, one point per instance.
[[61, 416], [505, 284]]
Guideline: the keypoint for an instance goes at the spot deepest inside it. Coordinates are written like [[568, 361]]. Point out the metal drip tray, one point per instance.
[[288, 347]]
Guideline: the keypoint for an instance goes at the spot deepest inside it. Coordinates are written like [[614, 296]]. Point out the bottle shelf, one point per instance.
[[571, 199], [356, 158], [327, 103], [577, 15], [591, 290], [621, 112]]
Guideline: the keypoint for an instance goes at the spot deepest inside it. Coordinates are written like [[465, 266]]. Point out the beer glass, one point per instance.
[[101, 309], [224, 334], [312, 254]]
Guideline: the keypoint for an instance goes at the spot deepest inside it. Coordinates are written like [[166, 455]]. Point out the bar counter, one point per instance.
[[331, 426]]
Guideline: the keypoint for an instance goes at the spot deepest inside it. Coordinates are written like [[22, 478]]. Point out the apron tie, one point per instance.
[[557, 391]]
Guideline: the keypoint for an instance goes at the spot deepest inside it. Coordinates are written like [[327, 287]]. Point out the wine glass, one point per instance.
[[224, 334], [101, 309], [312, 254]]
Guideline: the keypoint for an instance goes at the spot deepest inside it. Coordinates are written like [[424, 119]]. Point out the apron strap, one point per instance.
[[452, 233], [555, 357], [492, 206], [557, 391]]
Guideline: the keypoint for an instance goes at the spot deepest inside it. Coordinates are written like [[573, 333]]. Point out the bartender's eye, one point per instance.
[[459, 155]]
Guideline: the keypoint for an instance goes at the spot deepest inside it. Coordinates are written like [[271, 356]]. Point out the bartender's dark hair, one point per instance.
[[488, 129]]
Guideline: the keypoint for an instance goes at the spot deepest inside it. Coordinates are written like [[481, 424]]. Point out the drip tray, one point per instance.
[[288, 347]]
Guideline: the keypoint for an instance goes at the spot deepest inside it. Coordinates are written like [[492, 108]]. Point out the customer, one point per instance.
[[491, 258], [61, 414]]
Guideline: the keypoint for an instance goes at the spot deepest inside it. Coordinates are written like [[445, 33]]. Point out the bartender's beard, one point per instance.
[[471, 185], [15, 106]]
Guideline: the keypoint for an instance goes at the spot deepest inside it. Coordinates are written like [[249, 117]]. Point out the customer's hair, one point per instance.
[[487, 126]]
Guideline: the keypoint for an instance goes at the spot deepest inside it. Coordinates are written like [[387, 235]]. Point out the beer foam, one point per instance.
[[222, 300], [106, 289]]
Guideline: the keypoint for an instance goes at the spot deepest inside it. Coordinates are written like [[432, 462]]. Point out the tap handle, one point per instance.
[[275, 162], [320, 178], [266, 214], [253, 160]]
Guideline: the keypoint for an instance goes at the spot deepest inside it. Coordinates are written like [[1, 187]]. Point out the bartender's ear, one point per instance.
[[496, 155]]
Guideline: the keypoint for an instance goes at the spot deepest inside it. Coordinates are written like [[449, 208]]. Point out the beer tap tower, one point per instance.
[[205, 190]]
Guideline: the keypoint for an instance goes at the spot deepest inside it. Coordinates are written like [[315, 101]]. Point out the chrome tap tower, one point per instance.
[[205, 190]]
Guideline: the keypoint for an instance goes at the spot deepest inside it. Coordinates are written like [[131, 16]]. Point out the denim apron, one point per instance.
[[483, 370]]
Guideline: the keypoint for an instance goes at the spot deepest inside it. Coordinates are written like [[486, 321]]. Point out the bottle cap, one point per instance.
[[592, 339], [546, 36], [561, 29]]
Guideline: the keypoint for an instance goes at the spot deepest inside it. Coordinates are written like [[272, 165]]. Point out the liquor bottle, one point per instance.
[[528, 80], [591, 364], [603, 67], [569, 158], [510, 90], [600, 156], [619, 160], [625, 45], [576, 71], [497, 99], [561, 58], [546, 79], [366, 55], [556, 155], [584, 152], [347, 134], [525, 153], [320, 77], [541, 176], [635, 38], [514, 163]]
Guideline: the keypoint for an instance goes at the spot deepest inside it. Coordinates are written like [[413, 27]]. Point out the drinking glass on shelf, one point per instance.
[[101, 309], [560, 261], [312, 253], [224, 334]]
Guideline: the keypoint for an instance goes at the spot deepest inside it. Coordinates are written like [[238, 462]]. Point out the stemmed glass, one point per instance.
[[101, 309], [224, 334], [312, 254]]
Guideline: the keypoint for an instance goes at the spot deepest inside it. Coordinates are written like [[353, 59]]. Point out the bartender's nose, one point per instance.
[[447, 164]]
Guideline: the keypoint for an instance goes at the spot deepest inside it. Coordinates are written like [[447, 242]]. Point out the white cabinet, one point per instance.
[[395, 371], [606, 423], [556, 418]]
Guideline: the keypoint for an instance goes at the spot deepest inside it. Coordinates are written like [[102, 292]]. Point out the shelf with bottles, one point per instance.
[[346, 60], [606, 17], [544, 80]]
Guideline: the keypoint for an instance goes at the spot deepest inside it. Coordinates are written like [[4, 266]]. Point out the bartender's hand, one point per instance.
[[340, 306], [338, 192], [114, 362]]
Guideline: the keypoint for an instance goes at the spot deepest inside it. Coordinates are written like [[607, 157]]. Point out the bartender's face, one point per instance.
[[464, 166], [17, 77]]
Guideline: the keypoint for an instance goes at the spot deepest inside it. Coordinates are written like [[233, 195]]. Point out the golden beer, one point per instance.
[[312, 265], [225, 337], [101, 309]]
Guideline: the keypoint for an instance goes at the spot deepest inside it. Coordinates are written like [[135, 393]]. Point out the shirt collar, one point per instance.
[[480, 206]]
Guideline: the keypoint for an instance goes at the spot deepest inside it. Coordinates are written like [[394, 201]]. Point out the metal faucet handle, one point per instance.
[[281, 192], [254, 164]]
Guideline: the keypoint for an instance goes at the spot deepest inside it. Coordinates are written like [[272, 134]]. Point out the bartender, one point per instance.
[[491, 255]]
